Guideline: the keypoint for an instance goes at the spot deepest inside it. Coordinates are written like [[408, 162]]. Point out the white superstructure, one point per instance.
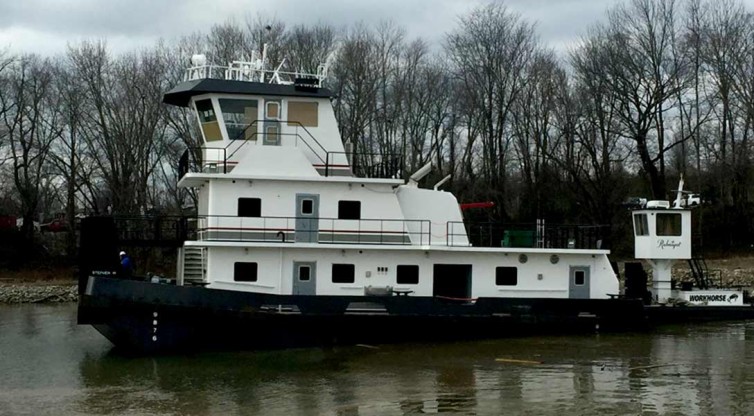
[[285, 208]]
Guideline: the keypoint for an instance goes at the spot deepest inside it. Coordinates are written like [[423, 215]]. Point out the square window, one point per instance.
[[343, 273], [407, 274], [669, 225], [307, 206], [506, 276], [304, 273], [579, 277], [249, 207], [349, 210], [244, 272], [273, 109]]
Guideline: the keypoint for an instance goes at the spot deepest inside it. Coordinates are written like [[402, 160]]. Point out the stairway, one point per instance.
[[194, 266]]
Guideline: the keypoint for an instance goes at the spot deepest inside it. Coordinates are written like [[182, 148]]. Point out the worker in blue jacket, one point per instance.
[[126, 266]]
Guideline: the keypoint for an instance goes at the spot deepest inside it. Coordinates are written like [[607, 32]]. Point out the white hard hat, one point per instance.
[[122, 253]]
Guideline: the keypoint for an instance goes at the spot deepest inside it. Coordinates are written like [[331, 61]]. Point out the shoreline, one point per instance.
[[15, 292]]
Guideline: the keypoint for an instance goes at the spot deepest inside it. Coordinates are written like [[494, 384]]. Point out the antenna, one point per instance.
[[679, 194]]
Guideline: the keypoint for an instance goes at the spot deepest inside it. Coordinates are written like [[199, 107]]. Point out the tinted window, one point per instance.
[[407, 274], [349, 210], [307, 206], [578, 277], [245, 272], [205, 110], [506, 276], [249, 207], [343, 273], [669, 225], [304, 273], [238, 116], [640, 224]]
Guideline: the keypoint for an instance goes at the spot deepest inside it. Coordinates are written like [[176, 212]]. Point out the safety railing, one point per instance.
[[220, 159], [313, 230], [368, 164], [489, 234], [253, 71], [154, 229]]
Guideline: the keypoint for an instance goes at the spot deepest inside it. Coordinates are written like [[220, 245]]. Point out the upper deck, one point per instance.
[[245, 106]]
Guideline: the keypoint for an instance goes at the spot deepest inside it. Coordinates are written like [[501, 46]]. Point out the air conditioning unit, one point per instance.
[[658, 204]]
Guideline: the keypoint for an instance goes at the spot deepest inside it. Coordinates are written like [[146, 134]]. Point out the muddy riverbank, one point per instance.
[[36, 292]]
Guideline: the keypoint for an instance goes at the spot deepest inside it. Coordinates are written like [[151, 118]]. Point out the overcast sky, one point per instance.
[[46, 26]]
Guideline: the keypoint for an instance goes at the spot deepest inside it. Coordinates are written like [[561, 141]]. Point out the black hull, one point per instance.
[[141, 317]]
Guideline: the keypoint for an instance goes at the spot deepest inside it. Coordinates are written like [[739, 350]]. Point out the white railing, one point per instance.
[[253, 71]]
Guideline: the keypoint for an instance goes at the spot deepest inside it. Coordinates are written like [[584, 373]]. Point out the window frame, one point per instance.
[[576, 274], [668, 224], [267, 111], [255, 209], [500, 277], [308, 274], [338, 269], [346, 210], [238, 271], [310, 211], [404, 268], [641, 225]]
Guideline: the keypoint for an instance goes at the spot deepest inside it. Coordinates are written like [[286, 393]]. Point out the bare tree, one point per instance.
[[31, 124], [643, 71], [309, 46], [125, 123], [490, 52]]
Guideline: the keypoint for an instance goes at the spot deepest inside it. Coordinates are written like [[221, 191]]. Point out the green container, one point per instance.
[[518, 238]]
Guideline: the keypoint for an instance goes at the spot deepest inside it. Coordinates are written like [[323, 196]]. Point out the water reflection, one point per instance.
[[50, 366]]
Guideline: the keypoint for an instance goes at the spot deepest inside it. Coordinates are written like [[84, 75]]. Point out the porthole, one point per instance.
[[554, 259], [522, 258]]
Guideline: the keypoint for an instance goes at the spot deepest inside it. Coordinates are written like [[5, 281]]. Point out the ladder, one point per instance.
[[700, 272], [194, 265]]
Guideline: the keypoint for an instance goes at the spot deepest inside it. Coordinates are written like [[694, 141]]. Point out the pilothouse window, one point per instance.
[[669, 225], [208, 120], [273, 110], [303, 114], [240, 118], [641, 227]]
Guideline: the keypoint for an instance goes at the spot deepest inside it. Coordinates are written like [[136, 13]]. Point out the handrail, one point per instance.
[[390, 164], [297, 123], [526, 235], [189, 156], [328, 230], [250, 71]]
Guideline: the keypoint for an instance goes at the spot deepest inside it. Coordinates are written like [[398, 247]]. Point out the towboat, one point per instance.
[[300, 239]]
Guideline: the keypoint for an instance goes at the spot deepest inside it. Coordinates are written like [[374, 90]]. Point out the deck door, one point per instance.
[[578, 282], [304, 278], [307, 218]]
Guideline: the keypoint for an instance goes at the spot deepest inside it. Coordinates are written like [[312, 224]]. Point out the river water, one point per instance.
[[51, 366]]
